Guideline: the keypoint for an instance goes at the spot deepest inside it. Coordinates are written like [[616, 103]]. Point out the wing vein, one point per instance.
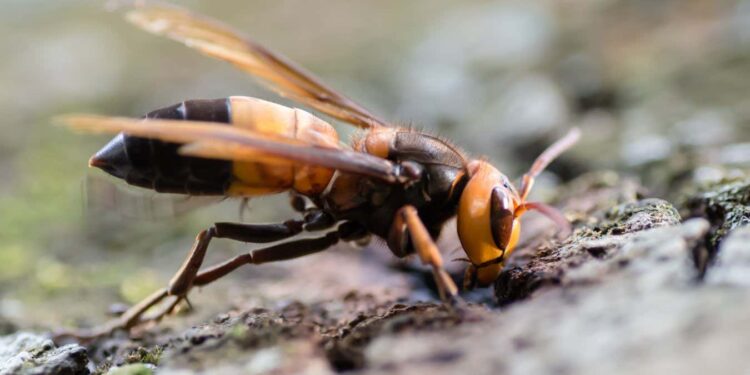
[[278, 73]]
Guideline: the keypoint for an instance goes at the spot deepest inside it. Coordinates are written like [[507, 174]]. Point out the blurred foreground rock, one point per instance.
[[635, 289], [26, 353]]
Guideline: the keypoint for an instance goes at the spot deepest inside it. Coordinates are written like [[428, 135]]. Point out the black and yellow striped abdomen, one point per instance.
[[157, 165]]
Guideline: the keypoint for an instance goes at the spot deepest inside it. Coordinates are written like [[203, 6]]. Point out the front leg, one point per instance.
[[472, 271], [407, 220]]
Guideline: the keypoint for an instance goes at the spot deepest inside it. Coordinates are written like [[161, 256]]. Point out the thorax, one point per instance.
[[374, 203]]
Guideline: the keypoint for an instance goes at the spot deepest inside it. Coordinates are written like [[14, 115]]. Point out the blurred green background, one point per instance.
[[658, 86]]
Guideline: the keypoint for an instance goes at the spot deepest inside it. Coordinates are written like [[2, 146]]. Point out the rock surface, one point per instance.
[[563, 264], [27, 353], [627, 292], [639, 309]]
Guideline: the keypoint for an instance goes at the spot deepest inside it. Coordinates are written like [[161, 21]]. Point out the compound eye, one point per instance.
[[501, 217]]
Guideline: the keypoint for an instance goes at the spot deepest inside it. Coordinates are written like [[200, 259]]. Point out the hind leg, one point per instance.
[[188, 275]]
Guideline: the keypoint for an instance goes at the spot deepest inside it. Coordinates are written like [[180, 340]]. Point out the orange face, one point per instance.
[[488, 226]]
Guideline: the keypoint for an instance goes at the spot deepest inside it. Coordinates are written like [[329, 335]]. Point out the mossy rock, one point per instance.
[[530, 269], [726, 205], [630, 218]]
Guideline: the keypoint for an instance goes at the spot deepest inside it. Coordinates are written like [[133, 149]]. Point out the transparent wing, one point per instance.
[[214, 39]]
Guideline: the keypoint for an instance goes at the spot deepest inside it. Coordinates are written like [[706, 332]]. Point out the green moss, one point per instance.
[[265, 331], [145, 355], [132, 369], [238, 332]]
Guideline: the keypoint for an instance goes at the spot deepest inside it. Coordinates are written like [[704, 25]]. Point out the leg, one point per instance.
[[280, 252], [135, 315], [429, 254], [183, 279], [284, 251], [543, 160], [470, 278], [262, 233]]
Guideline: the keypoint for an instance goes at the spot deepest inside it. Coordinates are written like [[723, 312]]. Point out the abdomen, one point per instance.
[[157, 165]]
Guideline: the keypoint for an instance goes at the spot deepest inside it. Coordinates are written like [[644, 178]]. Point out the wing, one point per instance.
[[219, 41], [209, 140]]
